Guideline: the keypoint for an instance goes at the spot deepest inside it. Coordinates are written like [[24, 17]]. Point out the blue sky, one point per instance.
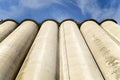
[[59, 10]]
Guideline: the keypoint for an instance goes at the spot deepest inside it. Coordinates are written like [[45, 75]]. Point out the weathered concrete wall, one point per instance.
[[113, 30], [76, 61], [59, 51], [105, 51], [14, 48], [40, 63], [6, 28]]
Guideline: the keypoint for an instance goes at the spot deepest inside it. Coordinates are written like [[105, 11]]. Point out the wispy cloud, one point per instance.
[[93, 8], [37, 3], [90, 8], [15, 11], [116, 15], [12, 12], [59, 15]]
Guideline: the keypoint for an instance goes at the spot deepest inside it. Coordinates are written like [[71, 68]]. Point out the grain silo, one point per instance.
[[76, 61], [59, 51], [6, 27], [105, 51], [41, 61], [112, 29], [14, 48]]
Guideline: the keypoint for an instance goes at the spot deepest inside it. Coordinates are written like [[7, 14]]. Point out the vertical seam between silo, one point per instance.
[[66, 53], [92, 55], [111, 36]]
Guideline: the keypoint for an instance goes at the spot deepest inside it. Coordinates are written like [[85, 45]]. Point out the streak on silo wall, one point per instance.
[[40, 63], [76, 61], [14, 48], [113, 29], [6, 28], [105, 51]]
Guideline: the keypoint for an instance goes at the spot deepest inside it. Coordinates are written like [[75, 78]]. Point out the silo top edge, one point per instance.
[[30, 20], [90, 20], [69, 20], [10, 20], [49, 20], [108, 20]]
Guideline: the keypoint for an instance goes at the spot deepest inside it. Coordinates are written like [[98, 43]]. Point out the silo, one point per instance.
[[76, 61], [6, 27], [105, 51], [112, 29], [40, 63], [14, 48]]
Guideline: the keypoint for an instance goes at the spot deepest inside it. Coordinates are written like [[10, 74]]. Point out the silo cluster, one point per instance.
[[66, 50]]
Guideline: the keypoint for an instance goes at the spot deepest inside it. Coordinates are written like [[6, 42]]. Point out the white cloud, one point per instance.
[[12, 12], [116, 15], [37, 3], [59, 15], [91, 7], [15, 11], [87, 7]]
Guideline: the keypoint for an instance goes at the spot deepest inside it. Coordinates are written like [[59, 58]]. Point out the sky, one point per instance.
[[59, 10]]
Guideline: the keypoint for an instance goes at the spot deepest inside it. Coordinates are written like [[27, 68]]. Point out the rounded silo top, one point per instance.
[[68, 22], [88, 23], [7, 27], [29, 22], [8, 22], [49, 22], [108, 22]]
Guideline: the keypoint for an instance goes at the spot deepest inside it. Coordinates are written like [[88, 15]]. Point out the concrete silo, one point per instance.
[[112, 29], [76, 61], [105, 51], [6, 27], [41, 61], [14, 48]]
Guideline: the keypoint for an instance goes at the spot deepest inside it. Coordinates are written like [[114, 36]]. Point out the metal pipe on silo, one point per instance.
[[76, 61], [104, 49], [40, 63], [1, 21], [112, 29], [6, 28], [14, 49]]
